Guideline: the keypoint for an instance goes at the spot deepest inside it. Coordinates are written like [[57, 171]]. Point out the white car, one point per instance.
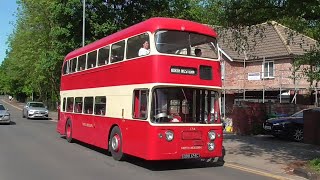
[[4, 115], [35, 110]]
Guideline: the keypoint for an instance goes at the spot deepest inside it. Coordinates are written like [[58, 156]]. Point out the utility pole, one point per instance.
[[83, 21]]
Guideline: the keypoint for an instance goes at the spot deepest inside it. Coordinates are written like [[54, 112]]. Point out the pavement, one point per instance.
[[260, 154]]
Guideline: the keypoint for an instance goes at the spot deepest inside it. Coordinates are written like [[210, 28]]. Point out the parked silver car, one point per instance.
[[4, 115], [35, 110]]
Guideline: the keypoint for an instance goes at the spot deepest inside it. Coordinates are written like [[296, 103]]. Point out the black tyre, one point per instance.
[[23, 116], [69, 131], [115, 144]]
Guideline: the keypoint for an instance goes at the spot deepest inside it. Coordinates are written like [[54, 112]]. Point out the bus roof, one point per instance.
[[152, 25]]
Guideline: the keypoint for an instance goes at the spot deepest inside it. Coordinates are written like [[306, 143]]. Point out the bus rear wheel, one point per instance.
[[115, 144], [69, 131]]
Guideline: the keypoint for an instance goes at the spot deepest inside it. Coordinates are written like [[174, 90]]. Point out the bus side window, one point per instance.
[[92, 59], [64, 105], [82, 62], [74, 65], [103, 55], [140, 104], [117, 51], [70, 104], [100, 105], [134, 44], [78, 105], [88, 105], [65, 67]]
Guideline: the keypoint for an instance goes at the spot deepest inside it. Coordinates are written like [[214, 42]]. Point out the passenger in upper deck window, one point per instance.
[[144, 50], [198, 52]]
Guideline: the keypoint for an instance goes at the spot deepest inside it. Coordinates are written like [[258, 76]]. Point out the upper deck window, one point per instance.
[[65, 67], [92, 59], [117, 51], [103, 56], [135, 45], [186, 44], [82, 62], [73, 65]]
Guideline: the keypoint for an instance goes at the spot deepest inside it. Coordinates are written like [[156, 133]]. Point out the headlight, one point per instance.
[[210, 146], [46, 111], [6, 116], [31, 111], [212, 135], [169, 135]]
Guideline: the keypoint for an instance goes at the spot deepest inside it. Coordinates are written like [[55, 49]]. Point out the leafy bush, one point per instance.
[[315, 164]]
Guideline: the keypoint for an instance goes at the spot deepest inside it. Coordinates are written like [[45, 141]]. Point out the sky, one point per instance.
[[8, 9]]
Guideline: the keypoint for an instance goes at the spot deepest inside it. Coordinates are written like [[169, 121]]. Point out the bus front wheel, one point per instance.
[[69, 131], [115, 144]]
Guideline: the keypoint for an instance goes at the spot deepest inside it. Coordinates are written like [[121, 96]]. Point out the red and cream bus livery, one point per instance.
[[151, 91]]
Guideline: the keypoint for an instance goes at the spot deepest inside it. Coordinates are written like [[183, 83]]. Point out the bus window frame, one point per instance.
[[67, 105], [96, 50], [85, 65], [64, 102], [74, 109], [84, 105], [133, 103], [65, 68], [151, 46], [180, 55], [124, 51], [149, 37], [109, 54]]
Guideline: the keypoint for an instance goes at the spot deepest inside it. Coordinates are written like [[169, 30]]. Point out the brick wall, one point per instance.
[[236, 76]]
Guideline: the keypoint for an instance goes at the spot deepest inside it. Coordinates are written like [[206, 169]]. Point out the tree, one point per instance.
[[302, 16]]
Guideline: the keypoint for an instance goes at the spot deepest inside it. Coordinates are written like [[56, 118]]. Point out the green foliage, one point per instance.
[[315, 164], [47, 30], [301, 16]]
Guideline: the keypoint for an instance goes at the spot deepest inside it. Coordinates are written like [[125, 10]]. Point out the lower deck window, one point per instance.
[[88, 105], [100, 105], [185, 105]]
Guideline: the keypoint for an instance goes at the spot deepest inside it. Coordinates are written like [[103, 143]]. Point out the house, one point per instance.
[[261, 70]]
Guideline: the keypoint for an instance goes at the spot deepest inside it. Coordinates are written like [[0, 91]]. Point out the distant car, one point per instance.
[[290, 127], [4, 115], [35, 110]]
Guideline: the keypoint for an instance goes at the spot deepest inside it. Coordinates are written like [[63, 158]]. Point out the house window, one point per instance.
[[268, 69]]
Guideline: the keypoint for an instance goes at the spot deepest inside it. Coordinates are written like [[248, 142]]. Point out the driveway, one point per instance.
[[264, 152]]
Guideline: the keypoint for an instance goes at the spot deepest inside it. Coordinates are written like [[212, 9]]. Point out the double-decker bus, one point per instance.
[[159, 103]]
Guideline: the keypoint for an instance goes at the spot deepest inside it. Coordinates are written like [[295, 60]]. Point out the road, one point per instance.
[[32, 150]]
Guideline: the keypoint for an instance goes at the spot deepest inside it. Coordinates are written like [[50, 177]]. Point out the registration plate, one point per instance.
[[190, 156], [267, 127]]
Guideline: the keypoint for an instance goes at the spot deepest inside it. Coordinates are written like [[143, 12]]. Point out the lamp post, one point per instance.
[[83, 21]]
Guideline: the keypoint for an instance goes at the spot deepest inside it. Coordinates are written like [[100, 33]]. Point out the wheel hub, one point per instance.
[[298, 135], [115, 143]]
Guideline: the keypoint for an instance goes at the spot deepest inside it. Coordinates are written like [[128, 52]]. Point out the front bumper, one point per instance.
[[38, 115], [275, 129], [5, 120]]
